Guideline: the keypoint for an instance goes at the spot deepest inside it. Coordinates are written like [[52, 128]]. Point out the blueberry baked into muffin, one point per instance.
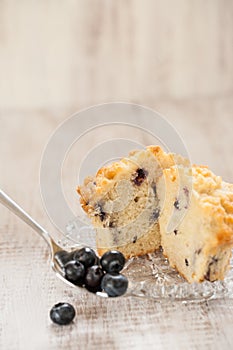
[[121, 201], [152, 199]]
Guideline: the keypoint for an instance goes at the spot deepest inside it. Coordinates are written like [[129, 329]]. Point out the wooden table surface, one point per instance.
[[30, 287], [55, 59]]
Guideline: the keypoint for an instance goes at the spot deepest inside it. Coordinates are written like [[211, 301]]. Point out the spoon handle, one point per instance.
[[17, 210]]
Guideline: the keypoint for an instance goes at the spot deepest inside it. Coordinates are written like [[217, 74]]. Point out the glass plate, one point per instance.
[[150, 276]]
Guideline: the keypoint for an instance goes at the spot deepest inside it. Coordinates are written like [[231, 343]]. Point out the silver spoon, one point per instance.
[[54, 247]]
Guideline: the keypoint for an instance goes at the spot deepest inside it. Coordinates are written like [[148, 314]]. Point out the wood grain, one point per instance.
[[30, 288], [56, 58]]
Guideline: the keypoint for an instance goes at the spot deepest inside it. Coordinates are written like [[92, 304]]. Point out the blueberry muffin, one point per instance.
[[196, 226]]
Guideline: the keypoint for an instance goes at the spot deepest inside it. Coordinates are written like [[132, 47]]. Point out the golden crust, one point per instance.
[[167, 160], [107, 176], [105, 179], [215, 193]]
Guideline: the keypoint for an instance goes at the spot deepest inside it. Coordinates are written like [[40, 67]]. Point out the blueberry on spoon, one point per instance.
[[62, 257], [114, 284], [74, 272], [86, 256], [93, 279], [112, 261]]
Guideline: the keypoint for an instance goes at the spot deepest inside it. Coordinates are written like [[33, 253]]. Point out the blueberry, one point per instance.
[[112, 261], [155, 214], [100, 212], [177, 204], [62, 257], [62, 313], [93, 278], [74, 272], [140, 176], [86, 256], [114, 284]]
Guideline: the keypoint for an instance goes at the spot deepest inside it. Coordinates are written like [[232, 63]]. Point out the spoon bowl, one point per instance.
[[53, 246]]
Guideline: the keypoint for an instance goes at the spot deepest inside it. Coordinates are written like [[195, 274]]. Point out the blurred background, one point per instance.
[[57, 57]]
